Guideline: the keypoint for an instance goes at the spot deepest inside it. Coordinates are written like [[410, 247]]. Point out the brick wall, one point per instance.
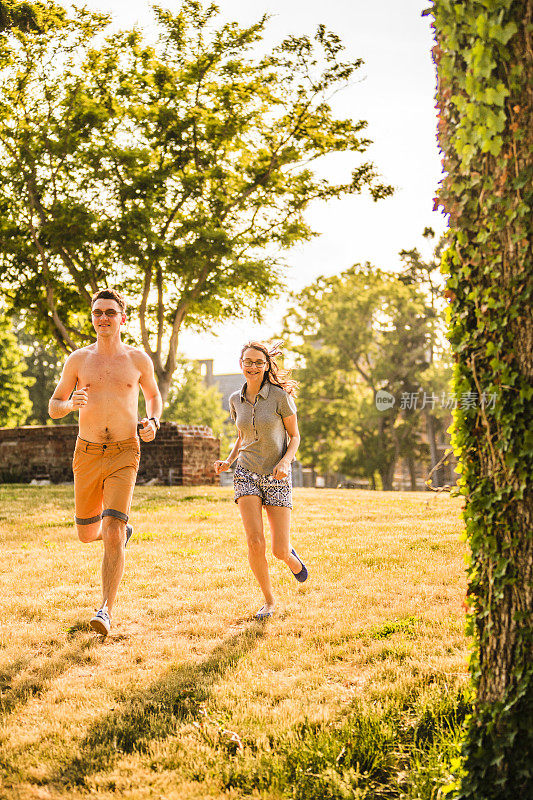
[[181, 455]]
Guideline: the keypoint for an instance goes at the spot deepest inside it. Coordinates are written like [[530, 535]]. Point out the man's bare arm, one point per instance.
[[61, 403], [154, 404], [152, 396]]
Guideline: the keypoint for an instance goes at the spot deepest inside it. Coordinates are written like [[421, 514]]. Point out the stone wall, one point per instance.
[[181, 455]]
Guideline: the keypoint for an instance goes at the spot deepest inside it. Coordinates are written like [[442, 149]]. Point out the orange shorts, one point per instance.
[[104, 479]]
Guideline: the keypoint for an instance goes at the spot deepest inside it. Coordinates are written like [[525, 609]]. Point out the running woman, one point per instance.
[[264, 413], [102, 382]]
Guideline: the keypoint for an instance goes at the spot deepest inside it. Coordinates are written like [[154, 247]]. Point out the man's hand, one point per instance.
[[79, 398], [148, 430], [281, 470], [221, 466]]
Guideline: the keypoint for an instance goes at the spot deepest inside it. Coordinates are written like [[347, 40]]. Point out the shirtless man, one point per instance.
[[106, 377]]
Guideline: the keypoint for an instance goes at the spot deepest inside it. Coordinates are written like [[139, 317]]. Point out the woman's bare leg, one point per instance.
[[279, 519], [251, 512]]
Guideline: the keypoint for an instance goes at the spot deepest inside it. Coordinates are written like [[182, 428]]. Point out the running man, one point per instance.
[[102, 382]]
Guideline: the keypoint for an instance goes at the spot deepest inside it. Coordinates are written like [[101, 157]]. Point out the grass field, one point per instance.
[[355, 689]]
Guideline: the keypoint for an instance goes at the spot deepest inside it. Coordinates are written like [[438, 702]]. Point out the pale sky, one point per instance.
[[394, 91]]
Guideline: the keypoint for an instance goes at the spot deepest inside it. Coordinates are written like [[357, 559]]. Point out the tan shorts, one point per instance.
[[104, 479]]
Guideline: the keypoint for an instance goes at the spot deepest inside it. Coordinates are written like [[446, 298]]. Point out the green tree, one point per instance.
[[426, 276], [15, 404], [29, 16], [191, 402], [44, 363], [484, 61], [358, 333], [178, 169]]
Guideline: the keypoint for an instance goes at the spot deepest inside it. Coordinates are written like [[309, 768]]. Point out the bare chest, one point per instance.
[[116, 375]]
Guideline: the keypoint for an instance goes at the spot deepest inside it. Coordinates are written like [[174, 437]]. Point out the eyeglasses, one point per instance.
[[249, 363], [109, 312]]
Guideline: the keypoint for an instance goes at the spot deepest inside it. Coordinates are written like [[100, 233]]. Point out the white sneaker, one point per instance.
[[265, 612], [101, 622]]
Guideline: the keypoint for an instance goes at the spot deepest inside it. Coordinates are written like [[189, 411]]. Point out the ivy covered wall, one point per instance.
[[484, 62]]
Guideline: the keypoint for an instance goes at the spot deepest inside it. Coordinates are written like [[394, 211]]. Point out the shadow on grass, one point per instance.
[[157, 711], [23, 680]]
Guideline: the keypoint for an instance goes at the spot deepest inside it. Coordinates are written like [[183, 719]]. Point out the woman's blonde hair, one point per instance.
[[274, 374]]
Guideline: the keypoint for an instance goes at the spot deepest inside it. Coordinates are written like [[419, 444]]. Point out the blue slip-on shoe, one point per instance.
[[129, 531], [101, 622], [303, 574]]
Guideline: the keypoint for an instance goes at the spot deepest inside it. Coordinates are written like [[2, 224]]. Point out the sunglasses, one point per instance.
[[109, 312]]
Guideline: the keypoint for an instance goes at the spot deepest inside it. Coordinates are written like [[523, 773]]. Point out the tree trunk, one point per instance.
[[388, 446], [387, 475], [437, 477], [487, 147], [411, 466], [164, 387]]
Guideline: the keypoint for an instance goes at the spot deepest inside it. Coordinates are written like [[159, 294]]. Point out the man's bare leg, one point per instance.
[[90, 533], [114, 537]]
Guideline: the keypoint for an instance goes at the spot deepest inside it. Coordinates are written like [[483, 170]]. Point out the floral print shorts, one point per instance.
[[272, 491]]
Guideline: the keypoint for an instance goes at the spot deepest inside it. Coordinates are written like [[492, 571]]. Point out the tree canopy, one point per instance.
[[178, 169], [191, 402], [359, 334], [30, 16]]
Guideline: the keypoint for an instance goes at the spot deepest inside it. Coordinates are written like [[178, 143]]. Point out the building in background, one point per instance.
[[226, 384]]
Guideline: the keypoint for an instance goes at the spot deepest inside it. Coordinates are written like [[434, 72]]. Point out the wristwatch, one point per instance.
[[156, 422]]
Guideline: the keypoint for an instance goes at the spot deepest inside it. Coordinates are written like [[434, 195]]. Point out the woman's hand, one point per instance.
[[221, 466], [281, 470]]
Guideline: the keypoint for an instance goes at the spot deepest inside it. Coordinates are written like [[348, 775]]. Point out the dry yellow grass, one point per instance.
[[143, 713]]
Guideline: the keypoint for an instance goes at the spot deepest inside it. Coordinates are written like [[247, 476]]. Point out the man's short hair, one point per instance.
[[109, 294]]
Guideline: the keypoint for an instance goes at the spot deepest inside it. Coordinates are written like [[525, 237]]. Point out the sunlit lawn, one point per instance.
[[189, 697]]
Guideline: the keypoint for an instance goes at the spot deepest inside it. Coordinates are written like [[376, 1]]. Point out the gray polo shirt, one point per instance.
[[264, 438]]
